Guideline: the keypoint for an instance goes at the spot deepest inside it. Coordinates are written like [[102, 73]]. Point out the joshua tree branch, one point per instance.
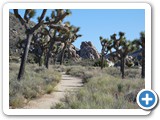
[[42, 15], [36, 26], [61, 17], [18, 16], [40, 21], [25, 15]]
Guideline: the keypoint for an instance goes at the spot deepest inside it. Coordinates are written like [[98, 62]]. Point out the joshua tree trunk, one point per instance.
[[122, 67], [49, 52], [24, 56], [62, 54], [50, 48], [143, 63], [54, 61], [69, 55], [102, 59], [40, 61]]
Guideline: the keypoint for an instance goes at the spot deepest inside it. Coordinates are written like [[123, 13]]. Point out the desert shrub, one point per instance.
[[86, 62], [31, 59], [39, 69], [14, 59], [49, 89], [130, 73], [58, 106], [87, 75], [77, 71], [70, 62], [59, 68], [36, 82], [133, 73], [120, 87], [98, 63], [113, 71], [16, 101], [83, 72], [81, 62]]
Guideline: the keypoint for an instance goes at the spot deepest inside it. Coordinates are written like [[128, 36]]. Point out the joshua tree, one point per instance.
[[106, 47], [52, 41], [40, 43], [57, 17], [122, 48], [70, 37], [141, 42], [29, 13]]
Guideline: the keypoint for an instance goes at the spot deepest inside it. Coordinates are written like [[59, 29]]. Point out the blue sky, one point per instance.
[[94, 23]]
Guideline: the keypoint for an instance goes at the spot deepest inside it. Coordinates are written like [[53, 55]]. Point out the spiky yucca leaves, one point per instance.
[[32, 13], [141, 43], [29, 13], [58, 15], [122, 48]]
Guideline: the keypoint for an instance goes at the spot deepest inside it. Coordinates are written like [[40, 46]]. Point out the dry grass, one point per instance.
[[36, 82], [103, 89]]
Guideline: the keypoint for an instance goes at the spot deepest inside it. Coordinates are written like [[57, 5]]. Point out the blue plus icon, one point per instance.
[[147, 99]]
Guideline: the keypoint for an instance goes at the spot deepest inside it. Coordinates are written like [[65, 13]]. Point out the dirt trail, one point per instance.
[[68, 83]]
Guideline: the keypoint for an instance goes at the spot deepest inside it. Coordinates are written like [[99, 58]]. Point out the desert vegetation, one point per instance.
[[41, 52], [103, 90]]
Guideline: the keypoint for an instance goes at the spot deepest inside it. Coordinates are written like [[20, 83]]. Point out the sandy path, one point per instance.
[[68, 83]]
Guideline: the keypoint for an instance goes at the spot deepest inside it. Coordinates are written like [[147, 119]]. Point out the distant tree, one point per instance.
[[141, 42], [29, 30], [122, 47]]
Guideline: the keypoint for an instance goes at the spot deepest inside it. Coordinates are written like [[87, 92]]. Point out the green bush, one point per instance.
[[49, 89], [58, 106], [120, 87], [98, 63]]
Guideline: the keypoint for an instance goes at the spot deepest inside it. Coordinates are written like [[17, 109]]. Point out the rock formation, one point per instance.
[[73, 53], [88, 51], [16, 33]]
